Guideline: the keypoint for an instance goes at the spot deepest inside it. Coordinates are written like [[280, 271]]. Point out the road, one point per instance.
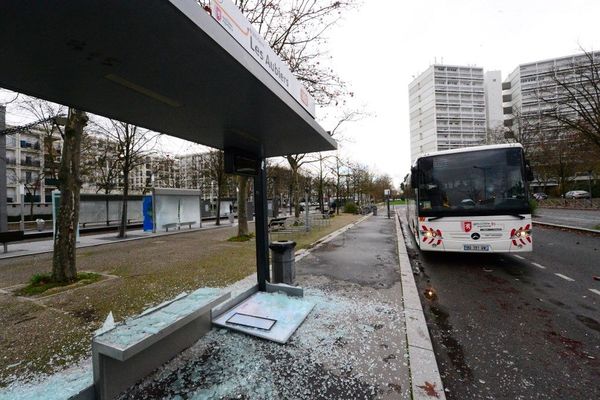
[[516, 327], [589, 219]]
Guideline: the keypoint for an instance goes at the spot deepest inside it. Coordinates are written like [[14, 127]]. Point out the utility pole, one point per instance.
[[590, 187], [3, 190]]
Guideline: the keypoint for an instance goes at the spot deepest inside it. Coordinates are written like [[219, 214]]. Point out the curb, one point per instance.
[[153, 236], [424, 373], [572, 228]]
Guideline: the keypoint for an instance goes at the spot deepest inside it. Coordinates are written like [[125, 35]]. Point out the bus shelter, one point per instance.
[[169, 66]]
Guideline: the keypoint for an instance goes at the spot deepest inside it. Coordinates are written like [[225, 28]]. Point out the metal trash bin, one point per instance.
[[41, 224], [374, 208], [231, 217], [284, 268]]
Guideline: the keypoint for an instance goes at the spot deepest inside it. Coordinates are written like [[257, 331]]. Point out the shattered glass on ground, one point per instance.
[[343, 350], [59, 386], [154, 320]]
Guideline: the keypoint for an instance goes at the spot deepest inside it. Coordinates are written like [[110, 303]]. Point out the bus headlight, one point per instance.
[[521, 233], [430, 234]]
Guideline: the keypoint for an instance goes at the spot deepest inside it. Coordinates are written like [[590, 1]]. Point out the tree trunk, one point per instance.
[[31, 207], [123, 225], [218, 205], [64, 261], [296, 193], [242, 200]]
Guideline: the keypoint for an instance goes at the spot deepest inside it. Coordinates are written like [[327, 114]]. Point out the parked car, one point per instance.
[[577, 194], [540, 196]]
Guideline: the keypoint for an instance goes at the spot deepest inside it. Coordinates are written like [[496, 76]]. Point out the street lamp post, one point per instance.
[[590, 187], [22, 201]]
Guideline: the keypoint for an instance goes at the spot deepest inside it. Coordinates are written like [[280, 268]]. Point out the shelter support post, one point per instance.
[[262, 236], [3, 180]]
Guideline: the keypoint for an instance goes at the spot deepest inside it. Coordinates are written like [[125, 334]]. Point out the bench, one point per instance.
[[277, 223], [11, 236], [130, 351], [178, 225], [118, 221]]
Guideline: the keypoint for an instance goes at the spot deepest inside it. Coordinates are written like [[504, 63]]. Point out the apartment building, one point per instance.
[[31, 160], [447, 109], [494, 113], [530, 90]]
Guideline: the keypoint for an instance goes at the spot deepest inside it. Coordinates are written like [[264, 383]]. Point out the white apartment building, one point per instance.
[[492, 86], [26, 159], [524, 87], [447, 109]]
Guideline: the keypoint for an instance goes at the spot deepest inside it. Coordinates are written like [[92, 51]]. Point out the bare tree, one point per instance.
[[133, 144], [296, 31], [42, 111], [69, 183], [104, 161], [572, 97]]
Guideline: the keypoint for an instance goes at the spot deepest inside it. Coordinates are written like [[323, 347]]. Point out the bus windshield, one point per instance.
[[484, 182]]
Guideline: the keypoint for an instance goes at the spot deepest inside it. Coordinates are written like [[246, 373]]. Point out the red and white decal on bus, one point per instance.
[[520, 235], [431, 235]]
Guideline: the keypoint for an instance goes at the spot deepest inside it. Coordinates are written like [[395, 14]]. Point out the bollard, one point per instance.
[[282, 254]]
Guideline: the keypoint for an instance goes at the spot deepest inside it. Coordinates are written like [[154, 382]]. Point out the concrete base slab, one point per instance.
[[287, 312]]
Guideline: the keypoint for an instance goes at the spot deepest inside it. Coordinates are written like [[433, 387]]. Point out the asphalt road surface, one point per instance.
[[516, 327], [589, 219]]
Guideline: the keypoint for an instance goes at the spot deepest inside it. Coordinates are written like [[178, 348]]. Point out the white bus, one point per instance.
[[473, 199]]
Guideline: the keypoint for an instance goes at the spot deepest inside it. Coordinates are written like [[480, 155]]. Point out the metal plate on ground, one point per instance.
[[259, 310], [251, 321]]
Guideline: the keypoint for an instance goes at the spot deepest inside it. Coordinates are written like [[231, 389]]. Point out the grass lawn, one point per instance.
[[40, 333], [398, 202]]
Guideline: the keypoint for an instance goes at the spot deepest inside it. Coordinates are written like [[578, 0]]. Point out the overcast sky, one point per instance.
[[381, 47]]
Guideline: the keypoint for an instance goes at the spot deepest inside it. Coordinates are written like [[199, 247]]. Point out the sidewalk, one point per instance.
[[27, 248], [586, 219]]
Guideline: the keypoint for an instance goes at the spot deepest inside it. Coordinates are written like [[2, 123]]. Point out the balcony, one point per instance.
[[31, 163], [30, 146]]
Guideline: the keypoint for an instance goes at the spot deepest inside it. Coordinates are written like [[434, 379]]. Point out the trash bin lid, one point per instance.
[[282, 245]]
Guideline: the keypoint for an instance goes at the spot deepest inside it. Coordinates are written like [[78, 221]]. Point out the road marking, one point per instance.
[[519, 257], [565, 277], [595, 291], [538, 265]]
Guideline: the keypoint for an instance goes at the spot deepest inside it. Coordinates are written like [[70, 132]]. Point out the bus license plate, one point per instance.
[[476, 247]]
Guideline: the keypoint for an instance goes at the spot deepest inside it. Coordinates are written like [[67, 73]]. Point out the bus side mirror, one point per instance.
[[413, 177], [528, 171]]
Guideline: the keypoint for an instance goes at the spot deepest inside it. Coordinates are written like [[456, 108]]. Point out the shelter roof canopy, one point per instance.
[[165, 65]]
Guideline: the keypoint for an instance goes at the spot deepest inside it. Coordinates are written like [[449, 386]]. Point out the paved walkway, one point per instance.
[[588, 219], [25, 248]]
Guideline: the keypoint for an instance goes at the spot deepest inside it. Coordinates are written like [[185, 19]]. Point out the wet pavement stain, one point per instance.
[[589, 322], [453, 348]]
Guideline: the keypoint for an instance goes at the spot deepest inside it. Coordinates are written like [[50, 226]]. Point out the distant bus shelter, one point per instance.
[[166, 65]]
